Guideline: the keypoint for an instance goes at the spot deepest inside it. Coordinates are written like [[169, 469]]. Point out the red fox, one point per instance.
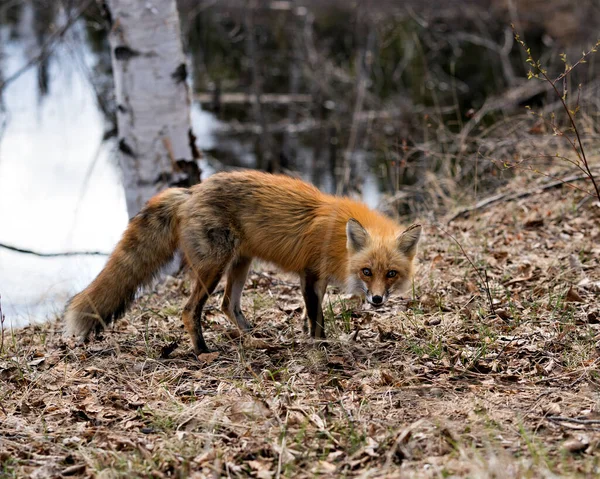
[[224, 222]]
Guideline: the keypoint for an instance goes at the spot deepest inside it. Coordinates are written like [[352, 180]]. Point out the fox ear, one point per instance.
[[356, 235], [408, 240]]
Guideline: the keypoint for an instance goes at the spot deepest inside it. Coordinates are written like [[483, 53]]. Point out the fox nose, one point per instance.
[[377, 299]]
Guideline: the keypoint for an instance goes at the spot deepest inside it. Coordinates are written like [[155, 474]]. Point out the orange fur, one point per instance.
[[221, 224]]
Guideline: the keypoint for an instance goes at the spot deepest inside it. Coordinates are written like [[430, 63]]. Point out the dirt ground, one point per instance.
[[451, 381]]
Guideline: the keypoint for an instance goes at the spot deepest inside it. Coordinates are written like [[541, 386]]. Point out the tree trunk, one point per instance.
[[156, 143]]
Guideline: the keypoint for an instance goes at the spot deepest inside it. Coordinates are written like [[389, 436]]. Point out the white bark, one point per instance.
[[155, 142]]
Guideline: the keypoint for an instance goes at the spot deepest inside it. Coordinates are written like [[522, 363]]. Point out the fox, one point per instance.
[[221, 224]]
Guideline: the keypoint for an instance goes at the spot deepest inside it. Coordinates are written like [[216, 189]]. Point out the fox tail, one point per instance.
[[149, 242]]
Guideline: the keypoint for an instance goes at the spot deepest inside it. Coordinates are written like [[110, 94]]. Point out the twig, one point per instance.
[[400, 441], [585, 372], [484, 281], [489, 294], [510, 341], [577, 146], [573, 420], [502, 51], [365, 62], [515, 196], [52, 255], [507, 101], [241, 98], [580, 143], [266, 156]]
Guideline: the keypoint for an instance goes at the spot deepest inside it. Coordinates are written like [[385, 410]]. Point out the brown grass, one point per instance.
[[427, 387]]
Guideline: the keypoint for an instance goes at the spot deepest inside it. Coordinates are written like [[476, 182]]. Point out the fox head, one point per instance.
[[380, 264]]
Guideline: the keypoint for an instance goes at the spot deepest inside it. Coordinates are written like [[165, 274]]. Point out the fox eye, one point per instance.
[[367, 272], [391, 273]]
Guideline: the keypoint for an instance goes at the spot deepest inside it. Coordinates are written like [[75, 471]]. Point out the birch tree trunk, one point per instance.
[[156, 143]]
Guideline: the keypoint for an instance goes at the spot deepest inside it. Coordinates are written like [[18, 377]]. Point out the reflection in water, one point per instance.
[[47, 202], [60, 188]]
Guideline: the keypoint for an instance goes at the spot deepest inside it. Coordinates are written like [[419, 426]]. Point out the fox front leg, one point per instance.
[[313, 290], [207, 279]]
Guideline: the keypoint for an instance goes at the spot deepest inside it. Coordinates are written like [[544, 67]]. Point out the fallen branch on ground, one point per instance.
[[577, 423], [514, 196], [574, 420]]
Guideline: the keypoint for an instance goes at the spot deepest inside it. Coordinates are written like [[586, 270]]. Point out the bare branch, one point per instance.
[[47, 46], [52, 255]]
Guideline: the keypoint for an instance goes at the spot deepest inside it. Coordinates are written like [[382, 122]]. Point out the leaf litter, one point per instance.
[[431, 385]]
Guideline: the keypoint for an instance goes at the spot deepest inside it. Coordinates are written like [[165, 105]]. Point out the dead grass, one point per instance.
[[433, 386]]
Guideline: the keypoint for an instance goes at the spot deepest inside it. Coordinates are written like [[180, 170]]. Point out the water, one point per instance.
[[60, 185], [59, 190]]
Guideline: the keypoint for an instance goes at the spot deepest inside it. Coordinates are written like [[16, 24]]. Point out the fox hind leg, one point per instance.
[[231, 304], [206, 282], [313, 290], [208, 249]]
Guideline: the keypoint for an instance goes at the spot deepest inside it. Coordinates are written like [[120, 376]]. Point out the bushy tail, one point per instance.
[[149, 243]]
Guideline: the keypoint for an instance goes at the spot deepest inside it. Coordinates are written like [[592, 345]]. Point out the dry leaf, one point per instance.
[[552, 409], [249, 409], [573, 296], [327, 466], [534, 221], [387, 378], [526, 274], [262, 468], [576, 444], [208, 358], [592, 286]]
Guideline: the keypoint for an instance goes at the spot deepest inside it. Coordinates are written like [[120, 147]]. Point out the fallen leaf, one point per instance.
[[575, 445], [249, 409], [71, 470], [433, 321], [208, 358], [262, 468], [327, 466], [36, 362], [552, 409], [255, 343], [503, 314], [387, 378], [573, 296], [534, 221], [291, 307], [592, 286]]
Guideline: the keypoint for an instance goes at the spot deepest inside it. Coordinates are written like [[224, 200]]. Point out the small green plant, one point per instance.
[[535, 447], [7, 468], [261, 301]]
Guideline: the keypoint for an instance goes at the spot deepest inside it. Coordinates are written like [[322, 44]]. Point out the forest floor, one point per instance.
[[442, 384]]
